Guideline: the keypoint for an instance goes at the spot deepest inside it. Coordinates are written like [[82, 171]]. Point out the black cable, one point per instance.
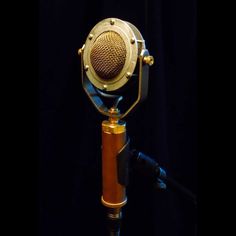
[[180, 188]]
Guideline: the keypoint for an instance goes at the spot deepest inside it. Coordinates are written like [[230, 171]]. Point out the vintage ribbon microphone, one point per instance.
[[114, 50]]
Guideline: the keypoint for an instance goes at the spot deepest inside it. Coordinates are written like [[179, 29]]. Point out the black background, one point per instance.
[[165, 126]]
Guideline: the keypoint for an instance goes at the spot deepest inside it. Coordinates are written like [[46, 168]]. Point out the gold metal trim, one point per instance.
[[148, 60], [141, 56], [113, 205], [113, 128]]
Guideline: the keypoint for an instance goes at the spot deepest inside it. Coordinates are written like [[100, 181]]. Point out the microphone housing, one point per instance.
[[113, 139], [111, 52]]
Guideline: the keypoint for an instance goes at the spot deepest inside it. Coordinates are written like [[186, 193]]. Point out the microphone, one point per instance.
[[113, 51]]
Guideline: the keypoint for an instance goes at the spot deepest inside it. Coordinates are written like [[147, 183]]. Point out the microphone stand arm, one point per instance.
[[145, 164]]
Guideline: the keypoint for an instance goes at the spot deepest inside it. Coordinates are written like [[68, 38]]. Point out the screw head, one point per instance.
[[132, 40], [104, 87], [128, 75], [90, 36], [112, 21], [86, 68], [80, 51]]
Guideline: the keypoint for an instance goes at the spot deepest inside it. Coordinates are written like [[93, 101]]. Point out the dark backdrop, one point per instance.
[[164, 126]]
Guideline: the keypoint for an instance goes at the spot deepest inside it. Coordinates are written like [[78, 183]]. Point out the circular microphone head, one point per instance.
[[108, 55], [111, 52]]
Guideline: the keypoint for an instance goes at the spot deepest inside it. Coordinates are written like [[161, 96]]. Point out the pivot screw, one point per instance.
[[148, 60]]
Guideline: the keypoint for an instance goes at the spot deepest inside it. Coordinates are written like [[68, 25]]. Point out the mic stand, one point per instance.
[[114, 217], [143, 163]]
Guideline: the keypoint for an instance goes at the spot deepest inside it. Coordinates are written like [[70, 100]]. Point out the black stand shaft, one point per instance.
[[114, 221]]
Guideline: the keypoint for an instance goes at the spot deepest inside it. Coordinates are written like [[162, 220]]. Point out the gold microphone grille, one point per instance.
[[108, 55]]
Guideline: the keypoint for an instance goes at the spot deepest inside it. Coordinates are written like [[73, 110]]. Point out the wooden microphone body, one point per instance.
[[113, 139]]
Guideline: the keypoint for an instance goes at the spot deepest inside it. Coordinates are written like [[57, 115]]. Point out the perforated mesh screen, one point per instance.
[[108, 55]]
